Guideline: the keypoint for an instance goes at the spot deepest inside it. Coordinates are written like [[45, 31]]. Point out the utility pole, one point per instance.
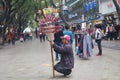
[[61, 13]]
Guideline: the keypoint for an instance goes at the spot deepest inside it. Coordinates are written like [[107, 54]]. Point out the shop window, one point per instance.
[[110, 18]]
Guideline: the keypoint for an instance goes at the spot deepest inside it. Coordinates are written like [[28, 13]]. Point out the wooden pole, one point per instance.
[[52, 60]]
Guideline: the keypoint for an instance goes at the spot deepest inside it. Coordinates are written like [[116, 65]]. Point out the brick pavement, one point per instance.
[[32, 61], [114, 44]]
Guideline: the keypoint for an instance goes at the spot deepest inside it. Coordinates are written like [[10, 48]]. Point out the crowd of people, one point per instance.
[[112, 32], [13, 36], [10, 37], [63, 40], [64, 51], [83, 45]]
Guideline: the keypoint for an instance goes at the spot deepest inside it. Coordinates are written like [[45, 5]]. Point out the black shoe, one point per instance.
[[65, 75], [68, 72]]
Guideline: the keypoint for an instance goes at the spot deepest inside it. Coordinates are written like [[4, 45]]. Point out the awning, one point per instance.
[[27, 30]]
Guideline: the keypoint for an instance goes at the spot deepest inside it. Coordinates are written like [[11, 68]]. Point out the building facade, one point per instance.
[[108, 10], [77, 8]]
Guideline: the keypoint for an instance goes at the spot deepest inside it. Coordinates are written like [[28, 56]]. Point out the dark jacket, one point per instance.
[[57, 36], [67, 57]]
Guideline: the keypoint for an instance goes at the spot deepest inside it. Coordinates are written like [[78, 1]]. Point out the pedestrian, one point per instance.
[[8, 37], [31, 35], [98, 38], [13, 35], [58, 40], [36, 33], [117, 28], [22, 37], [76, 36], [42, 36], [110, 31], [67, 58], [68, 32]]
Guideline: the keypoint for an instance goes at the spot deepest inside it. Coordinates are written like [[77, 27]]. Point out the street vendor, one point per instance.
[[67, 59]]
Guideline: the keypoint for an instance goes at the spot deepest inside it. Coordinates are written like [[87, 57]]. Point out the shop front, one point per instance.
[[108, 10], [110, 19]]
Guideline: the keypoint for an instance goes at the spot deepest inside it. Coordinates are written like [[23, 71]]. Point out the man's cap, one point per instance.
[[67, 37]]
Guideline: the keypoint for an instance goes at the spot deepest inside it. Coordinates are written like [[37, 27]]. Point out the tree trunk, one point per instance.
[[60, 13], [117, 8]]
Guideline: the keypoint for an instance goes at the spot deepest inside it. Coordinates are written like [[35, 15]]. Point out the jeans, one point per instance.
[[57, 54], [87, 46], [13, 41], [99, 46], [42, 38]]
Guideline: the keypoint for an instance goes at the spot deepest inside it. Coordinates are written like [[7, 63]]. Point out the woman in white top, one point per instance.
[[98, 38]]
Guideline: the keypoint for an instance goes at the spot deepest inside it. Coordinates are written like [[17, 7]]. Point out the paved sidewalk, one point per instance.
[[32, 61], [114, 44]]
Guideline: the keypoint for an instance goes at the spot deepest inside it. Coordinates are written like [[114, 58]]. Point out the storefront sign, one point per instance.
[[89, 5], [83, 26], [72, 15], [109, 5]]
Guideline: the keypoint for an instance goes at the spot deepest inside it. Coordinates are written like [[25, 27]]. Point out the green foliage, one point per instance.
[[19, 12]]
